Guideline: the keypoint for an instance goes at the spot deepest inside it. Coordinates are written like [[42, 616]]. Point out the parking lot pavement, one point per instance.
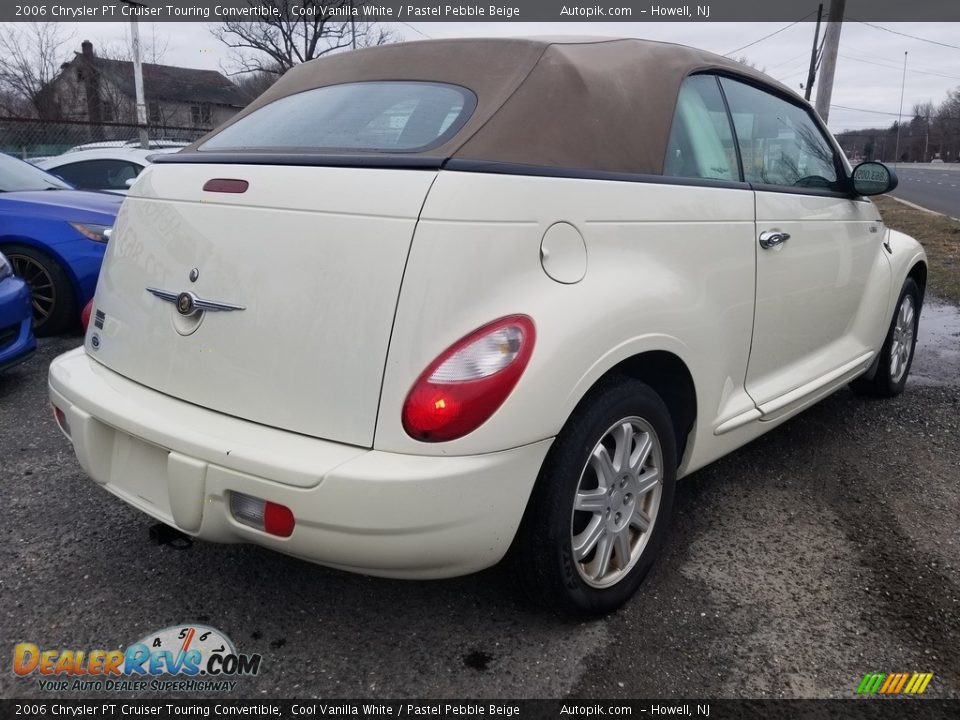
[[825, 550]]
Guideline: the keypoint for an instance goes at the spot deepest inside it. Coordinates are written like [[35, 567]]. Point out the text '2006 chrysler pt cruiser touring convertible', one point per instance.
[[422, 304]]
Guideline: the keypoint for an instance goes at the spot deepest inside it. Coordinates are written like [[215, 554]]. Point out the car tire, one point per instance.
[[54, 304], [896, 355], [556, 556]]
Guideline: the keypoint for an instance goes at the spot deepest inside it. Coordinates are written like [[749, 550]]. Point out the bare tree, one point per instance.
[[744, 60], [30, 58], [153, 47], [253, 84], [276, 43]]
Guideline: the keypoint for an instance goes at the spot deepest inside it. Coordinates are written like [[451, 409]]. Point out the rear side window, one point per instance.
[[779, 142], [395, 116], [99, 174], [701, 144]]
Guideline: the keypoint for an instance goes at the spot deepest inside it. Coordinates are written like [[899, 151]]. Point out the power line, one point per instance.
[[884, 112], [429, 37], [869, 56], [784, 78], [913, 37], [765, 37], [801, 55], [894, 67]]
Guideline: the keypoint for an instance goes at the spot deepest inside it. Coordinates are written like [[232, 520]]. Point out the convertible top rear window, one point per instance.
[[391, 116]]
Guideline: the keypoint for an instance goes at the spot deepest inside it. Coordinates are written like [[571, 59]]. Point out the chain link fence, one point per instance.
[[31, 139]]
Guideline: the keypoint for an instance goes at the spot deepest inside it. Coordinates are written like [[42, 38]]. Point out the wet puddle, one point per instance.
[[937, 359]]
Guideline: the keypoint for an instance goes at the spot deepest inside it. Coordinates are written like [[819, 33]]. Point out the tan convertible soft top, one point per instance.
[[594, 104]]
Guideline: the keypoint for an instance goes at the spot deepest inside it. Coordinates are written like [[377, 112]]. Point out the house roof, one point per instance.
[[600, 104], [167, 82]]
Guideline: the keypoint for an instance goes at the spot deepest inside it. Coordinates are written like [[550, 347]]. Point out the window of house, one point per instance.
[[106, 111], [780, 143], [153, 113], [200, 114], [701, 144]]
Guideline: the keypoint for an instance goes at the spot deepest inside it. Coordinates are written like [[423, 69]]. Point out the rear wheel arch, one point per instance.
[[49, 251], [919, 274], [668, 376]]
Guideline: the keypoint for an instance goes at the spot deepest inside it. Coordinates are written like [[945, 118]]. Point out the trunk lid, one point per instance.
[[314, 256]]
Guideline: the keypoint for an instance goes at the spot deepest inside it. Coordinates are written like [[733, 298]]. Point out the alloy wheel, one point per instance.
[[902, 345], [616, 502], [43, 292]]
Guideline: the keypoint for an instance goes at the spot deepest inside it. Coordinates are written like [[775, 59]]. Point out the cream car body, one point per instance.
[[354, 276]]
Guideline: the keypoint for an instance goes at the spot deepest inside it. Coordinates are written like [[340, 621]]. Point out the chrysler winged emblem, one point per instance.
[[187, 303]]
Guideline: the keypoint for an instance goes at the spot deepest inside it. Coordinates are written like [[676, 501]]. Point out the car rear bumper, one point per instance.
[[16, 322], [356, 509]]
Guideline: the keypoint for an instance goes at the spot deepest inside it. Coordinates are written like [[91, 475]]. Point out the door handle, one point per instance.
[[772, 238]]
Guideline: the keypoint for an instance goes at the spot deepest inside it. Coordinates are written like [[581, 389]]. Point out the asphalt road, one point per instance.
[[935, 187], [825, 550]]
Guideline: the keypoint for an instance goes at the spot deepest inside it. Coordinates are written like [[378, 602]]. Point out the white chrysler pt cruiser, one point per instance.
[[422, 304]]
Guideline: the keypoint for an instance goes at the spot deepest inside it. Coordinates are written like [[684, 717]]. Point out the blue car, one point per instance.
[[16, 318], [55, 238]]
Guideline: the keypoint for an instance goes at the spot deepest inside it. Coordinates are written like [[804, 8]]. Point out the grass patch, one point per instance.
[[940, 237]]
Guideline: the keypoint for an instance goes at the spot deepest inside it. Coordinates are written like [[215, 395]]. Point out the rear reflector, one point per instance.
[[226, 185], [61, 419], [261, 514]]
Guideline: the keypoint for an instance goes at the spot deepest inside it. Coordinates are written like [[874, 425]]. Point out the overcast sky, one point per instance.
[[869, 71]]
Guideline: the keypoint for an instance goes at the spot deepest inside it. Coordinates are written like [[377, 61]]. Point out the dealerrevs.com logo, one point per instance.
[[184, 658]]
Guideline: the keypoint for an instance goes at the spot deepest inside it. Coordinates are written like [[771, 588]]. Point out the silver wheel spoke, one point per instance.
[[640, 455], [602, 561], [640, 520], [591, 501], [648, 481], [587, 540], [621, 545], [602, 466], [624, 441]]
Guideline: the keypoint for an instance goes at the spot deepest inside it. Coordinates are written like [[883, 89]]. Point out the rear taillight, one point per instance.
[[62, 423], [264, 515], [85, 315], [466, 384]]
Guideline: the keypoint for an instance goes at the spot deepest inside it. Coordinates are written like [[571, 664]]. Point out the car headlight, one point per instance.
[[5, 269], [92, 231]]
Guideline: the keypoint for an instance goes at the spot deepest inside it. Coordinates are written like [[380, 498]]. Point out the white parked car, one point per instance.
[[422, 303], [112, 169]]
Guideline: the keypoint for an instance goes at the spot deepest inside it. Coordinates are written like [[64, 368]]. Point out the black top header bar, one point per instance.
[[489, 11]]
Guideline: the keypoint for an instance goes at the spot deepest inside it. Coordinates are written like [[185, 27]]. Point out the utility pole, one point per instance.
[[831, 46], [353, 29], [138, 85], [903, 86], [811, 75]]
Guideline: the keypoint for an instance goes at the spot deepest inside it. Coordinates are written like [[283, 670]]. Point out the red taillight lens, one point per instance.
[[466, 384], [262, 514], [278, 520], [85, 315]]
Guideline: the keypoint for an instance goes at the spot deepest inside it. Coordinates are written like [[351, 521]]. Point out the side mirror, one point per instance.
[[873, 178], [129, 182]]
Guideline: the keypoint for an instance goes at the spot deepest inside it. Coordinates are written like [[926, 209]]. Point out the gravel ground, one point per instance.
[[827, 549]]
